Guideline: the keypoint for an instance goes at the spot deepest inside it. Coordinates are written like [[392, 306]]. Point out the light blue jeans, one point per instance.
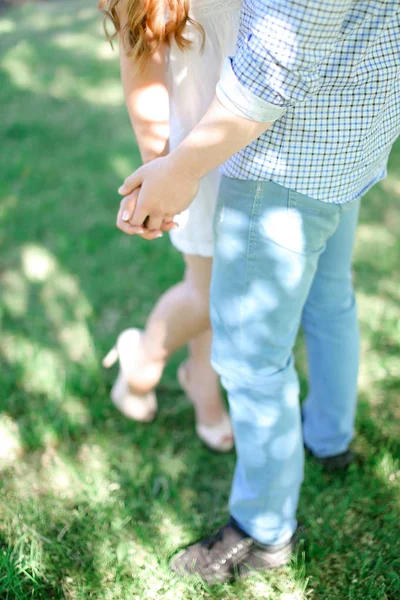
[[282, 259]]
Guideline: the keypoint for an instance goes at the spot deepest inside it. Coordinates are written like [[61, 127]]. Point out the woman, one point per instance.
[[170, 59]]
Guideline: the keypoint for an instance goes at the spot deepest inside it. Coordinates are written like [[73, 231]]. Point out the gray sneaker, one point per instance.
[[230, 553]]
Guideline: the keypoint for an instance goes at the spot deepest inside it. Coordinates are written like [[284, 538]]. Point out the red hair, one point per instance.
[[149, 24]]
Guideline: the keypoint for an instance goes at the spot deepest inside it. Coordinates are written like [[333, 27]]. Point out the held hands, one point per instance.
[[153, 195]]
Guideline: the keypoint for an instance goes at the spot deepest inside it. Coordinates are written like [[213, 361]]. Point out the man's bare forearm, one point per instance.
[[217, 137], [168, 185]]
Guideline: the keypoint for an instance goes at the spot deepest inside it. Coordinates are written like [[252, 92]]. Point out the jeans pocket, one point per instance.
[[311, 223], [233, 217]]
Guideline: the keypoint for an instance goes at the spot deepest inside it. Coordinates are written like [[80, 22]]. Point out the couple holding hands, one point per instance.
[[260, 126]]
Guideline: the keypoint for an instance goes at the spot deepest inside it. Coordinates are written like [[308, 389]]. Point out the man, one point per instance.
[[303, 122]]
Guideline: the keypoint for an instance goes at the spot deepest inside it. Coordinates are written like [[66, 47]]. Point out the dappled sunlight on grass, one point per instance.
[[122, 166], [65, 308], [290, 584], [391, 288], [170, 528], [106, 52], [37, 263], [47, 18], [11, 448], [86, 43], [294, 596], [42, 370], [77, 412], [377, 276], [60, 82], [392, 186], [376, 369], [108, 94], [7, 26], [42, 20], [14, 292], [82, 41], [173, 466], [15, 63], [376, 234], [7, 203], [72, 79], [380, 319], [389, 470]]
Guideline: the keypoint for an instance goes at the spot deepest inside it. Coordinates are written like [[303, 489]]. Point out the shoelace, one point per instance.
[[216, 537], [236, 550]]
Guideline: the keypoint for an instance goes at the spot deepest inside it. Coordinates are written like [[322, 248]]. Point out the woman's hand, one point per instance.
[[153, 195], [126, 209]]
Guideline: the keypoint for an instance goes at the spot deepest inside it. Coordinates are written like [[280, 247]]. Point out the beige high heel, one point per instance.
[[218, 437], [137, 407]]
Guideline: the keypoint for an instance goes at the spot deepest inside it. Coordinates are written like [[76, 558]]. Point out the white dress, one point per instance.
[[192, 80]]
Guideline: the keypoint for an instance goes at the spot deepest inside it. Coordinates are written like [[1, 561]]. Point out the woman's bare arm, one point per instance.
[[146, 98]]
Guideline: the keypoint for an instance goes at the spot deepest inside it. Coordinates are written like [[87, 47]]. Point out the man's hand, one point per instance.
[[169, 184], [166, 190], [126, 210]]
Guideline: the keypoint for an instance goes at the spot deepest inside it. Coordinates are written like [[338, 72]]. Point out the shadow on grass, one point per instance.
[[103, 501]]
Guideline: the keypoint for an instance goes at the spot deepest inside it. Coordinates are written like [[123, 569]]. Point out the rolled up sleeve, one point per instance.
[[240, 100], [280, 55]]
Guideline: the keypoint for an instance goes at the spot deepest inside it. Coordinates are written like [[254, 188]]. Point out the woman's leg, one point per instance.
[[181, 316], [202, 382], [182, 313]]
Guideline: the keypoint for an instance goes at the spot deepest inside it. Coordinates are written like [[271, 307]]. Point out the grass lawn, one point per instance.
[[91, 504]]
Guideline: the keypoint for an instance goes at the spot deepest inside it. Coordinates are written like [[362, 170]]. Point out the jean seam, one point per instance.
[[250, 244], [291, 203]]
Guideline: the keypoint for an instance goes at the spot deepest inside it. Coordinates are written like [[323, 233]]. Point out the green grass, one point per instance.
[[92, 505]]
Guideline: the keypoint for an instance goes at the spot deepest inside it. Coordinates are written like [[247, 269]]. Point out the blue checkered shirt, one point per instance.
[[327, 72]]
